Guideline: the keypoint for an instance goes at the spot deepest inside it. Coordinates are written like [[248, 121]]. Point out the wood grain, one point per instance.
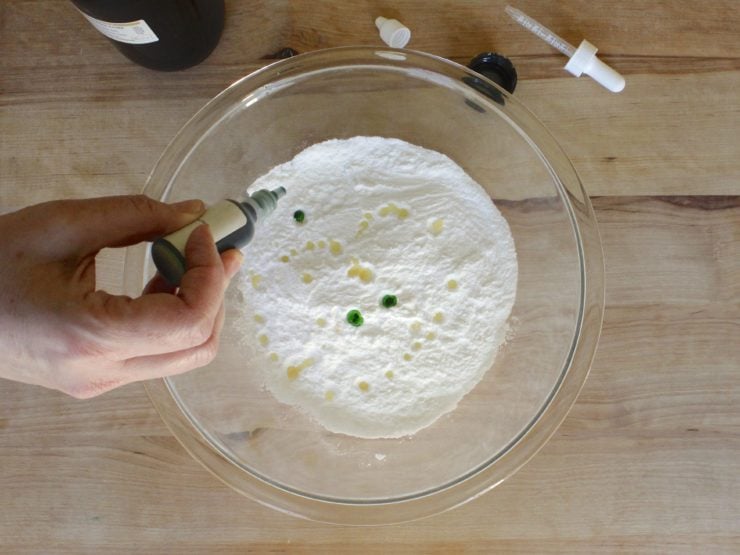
[[648, 459], [96, 117]]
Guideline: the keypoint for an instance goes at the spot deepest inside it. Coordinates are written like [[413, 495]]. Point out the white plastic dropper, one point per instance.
[[582, 59]]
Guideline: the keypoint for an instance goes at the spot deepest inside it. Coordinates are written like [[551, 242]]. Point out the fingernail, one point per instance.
[[240, 260], [193, 206]]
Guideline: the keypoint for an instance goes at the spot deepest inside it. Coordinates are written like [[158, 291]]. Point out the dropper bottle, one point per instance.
[[232, 224], [582, 59]]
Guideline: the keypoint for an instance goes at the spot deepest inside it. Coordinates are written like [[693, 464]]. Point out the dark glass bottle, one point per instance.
[[159, 34]]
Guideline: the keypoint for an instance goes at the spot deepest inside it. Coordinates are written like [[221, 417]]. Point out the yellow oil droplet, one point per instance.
[[452, 285], [259, 318], [357, 270], [431, 336], [256, 279], [362, 227], [415, 327], [437, 226], [366, 275], [438, 318], [294, 371], [335, 247], [322, 244], [293, 252], [407, 357], [306, 278], [368, 216], [364, 386], [310, 245], [389, 374], [264, 340], [416, 346], [285, 258], [274, 357], [320, 322], [306, 363], [390, 208], [329, 395]]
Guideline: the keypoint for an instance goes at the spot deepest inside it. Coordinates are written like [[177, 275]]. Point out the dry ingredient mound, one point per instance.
[[380, 217]]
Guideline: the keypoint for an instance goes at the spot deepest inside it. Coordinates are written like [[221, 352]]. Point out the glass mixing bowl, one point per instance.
[[274, 454]]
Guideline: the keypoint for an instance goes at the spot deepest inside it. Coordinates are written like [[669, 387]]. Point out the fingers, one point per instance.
[[204, 281], [90, 384], [160, 322], [170, 364], [158, 284], [231, 259], [83, 227]]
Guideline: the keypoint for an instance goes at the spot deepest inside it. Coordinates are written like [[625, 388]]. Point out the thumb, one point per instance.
[[89, 225]]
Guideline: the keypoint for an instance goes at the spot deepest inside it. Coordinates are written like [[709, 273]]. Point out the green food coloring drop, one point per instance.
[[299, 216], [389, 301], [354, 317]]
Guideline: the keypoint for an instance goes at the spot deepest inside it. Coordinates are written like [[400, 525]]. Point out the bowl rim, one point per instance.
[[544, 423]]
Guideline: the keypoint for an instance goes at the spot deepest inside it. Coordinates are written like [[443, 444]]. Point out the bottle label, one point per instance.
[[131, 32]]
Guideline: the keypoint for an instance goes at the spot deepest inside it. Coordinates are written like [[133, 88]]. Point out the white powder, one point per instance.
[[382, 217]]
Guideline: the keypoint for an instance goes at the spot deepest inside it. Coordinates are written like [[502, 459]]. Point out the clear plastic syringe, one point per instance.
[[541, 31], [582, 59]]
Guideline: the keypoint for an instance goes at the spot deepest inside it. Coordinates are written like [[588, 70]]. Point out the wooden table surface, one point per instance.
[[649, 458]]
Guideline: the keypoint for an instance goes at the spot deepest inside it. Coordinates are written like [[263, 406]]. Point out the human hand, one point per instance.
[[57, 331]]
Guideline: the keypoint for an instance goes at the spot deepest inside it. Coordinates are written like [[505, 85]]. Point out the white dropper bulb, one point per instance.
[[585, 61], [582, 59], [393, 32]]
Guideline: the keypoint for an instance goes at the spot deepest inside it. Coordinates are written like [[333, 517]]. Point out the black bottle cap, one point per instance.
[[497, 68], [281, 54]]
